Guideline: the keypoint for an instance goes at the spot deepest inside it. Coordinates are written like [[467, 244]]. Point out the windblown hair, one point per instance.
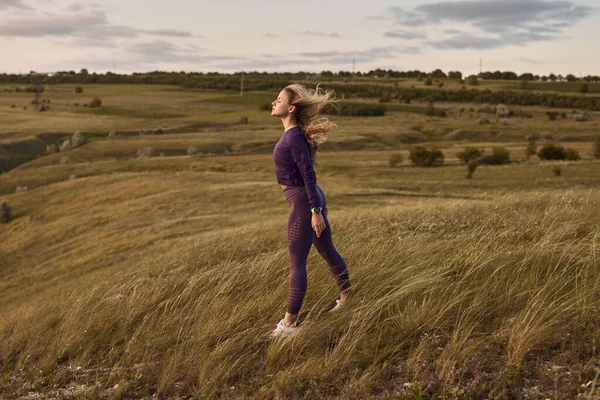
[[308, 103]]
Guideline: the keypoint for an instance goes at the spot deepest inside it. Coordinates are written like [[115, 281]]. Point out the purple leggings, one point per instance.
[[300, 238]]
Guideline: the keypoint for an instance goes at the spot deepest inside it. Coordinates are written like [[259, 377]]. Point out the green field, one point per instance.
[[126, 277]]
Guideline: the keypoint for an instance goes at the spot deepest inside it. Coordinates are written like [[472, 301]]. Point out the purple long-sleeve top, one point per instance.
[[293, 164]]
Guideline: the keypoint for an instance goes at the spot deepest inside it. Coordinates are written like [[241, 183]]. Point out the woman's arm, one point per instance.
[[301, 156]]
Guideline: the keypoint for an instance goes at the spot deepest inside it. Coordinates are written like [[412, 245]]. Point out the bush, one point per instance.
[[572, 155], [469, 153], [422, 157], [428, 82], [146, 152], [531, 149], [192, 150], [386, 98], [431, 111], [551, 152], [243, 120], [5, 212], [584, 88], [440, 85], [95, 103], [473, 81], [78, 89], [499, 156], [395, 159], [557, 170], [552, 115], [355, 110], [597, 147], [472, 166], [266, 107]]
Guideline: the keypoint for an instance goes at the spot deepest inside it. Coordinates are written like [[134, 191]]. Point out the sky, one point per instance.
[[538, 36]]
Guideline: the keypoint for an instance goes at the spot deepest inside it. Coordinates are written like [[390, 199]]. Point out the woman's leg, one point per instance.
[[299, 243], [325, 247]]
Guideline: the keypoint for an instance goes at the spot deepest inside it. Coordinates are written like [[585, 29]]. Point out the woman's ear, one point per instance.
[[291, 109]]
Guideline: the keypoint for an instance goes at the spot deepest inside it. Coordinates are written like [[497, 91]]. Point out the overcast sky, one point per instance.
[[539, 36]]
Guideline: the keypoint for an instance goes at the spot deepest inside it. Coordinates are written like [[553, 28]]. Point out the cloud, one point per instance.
[[75, 7], [405, 35], [493, 23], [470, 41], [268, 34], [89, 27], [6, 4], [529, 61], [317, 33], [162, 51], [360, 56]]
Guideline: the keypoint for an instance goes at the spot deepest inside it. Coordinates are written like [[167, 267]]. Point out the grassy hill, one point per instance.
[[124, 277]]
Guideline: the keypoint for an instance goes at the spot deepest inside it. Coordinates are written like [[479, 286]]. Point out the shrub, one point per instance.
[[395, 159], [146, 152], [243, 120], [430, 109], [422, 157], [355, 110], [572, 155], [440, 85], [499, 156], [5, 212], [503, 111], [78, 89], [386, 98], [192, 150], [428, 82], [469, 153], [471, 167], [551, 152], [266, 107], [485, 108], [557, 170], [531, 149], [597, 147], [473, 81], [552, 115], [524, 84], [95, 103], [584, 88]]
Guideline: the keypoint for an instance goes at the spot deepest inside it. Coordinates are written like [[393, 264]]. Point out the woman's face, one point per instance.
[[281, 107]]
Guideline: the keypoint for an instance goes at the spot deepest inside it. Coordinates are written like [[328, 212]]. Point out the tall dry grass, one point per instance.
[[462, 299]]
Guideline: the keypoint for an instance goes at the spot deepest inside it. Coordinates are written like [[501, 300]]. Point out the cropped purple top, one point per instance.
[[293, 165]]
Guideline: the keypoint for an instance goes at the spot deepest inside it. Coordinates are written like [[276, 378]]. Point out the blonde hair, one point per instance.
[[308, 103]]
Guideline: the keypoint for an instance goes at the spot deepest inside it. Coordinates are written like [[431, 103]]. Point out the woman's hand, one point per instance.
[[318, 223]]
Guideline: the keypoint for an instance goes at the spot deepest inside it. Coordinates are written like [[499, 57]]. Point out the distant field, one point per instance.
[[559, 86], [125, 277]]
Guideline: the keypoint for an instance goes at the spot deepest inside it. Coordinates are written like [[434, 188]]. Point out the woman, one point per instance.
[[293, 156]]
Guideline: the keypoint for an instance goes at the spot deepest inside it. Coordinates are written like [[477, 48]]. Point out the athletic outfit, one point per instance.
[[293, 168]]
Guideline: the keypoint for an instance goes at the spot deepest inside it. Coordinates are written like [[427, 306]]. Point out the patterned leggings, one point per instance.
[[300, 238]]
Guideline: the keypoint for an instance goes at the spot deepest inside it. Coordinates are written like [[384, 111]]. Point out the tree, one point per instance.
[[84, 71], [584, 88], [552, 77], [422, 157]]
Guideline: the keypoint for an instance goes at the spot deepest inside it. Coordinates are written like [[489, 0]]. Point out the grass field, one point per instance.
[[126, 277]]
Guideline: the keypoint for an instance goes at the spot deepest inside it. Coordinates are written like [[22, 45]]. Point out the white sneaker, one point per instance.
[[337, 306], [282, 330]]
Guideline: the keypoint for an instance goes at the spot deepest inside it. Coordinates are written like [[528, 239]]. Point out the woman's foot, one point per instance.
[[283, 330], [338, 304], [341, 302]]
